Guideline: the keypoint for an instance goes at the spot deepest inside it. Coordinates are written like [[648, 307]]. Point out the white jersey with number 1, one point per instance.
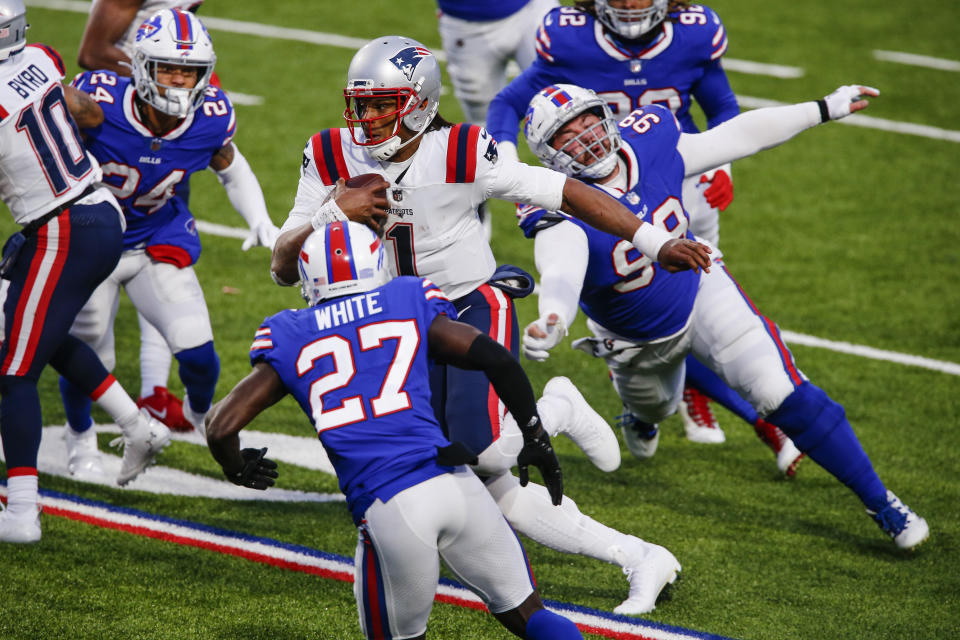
[[432, 229]]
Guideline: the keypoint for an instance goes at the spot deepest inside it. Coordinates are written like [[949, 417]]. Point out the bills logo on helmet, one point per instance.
[[148, 28], [407, 60]]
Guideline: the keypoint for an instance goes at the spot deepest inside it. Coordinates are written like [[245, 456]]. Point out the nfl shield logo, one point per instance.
[[397, 195]]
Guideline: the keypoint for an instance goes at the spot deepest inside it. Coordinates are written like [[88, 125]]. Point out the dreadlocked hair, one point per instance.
[[438, 123]]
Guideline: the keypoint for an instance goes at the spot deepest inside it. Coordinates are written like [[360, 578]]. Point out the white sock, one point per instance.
[[23, 496], [564, 528], [118, 404], [155, 358]]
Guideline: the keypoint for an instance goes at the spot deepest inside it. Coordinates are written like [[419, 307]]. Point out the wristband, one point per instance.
[[649, 239], [824, 111], [330, 211]]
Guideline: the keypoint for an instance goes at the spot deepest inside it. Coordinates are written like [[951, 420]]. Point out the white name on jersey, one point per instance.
[[346, 311]]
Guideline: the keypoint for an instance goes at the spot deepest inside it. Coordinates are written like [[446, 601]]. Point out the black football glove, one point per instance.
[[538, 452], [257, 472]]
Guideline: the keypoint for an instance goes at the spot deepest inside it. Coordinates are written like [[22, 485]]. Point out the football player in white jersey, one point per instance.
[[435, 175], [69, 242], [107, 44]]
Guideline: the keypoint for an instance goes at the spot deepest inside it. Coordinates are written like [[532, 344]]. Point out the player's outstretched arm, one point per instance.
[[84, 109], [260, 389], [108, 21], [463, 346], [244, 192], [605, 213], [759, 129]]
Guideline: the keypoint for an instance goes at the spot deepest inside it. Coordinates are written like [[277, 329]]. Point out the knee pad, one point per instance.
[[808, 416]]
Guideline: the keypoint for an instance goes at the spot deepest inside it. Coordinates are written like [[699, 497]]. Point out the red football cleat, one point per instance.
[[167, 408], [788, 456], [698, 419]]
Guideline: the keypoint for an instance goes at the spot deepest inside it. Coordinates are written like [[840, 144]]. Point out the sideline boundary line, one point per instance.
[[321, 563]]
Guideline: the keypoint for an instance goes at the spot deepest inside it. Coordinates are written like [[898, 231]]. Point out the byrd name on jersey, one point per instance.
[[358, 367], [145, 171], [624, 290], [43, 163], [574, 48]]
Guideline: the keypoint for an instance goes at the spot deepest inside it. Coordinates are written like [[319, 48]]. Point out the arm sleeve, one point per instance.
[[311, 193], [714, 95], [745, 135], [506, 375], [508, 107], [243, 191], [519, 182], [561, 253]]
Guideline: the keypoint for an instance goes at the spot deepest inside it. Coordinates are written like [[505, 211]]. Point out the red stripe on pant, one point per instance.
[[33, 320], [499, 331]]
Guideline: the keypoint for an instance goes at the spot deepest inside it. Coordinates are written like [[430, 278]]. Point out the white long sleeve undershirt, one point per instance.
[[561, 254]]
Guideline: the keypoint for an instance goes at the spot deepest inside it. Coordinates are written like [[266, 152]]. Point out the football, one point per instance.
[[364, 179]]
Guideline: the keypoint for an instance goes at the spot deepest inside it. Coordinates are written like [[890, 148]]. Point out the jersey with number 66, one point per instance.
[[42, 161], [358, 367], [624, 290], [142, 170]]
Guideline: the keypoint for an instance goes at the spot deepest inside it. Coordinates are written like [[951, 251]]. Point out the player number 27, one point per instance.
[[391, 397]]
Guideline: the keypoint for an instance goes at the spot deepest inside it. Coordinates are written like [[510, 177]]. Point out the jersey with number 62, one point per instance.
[[42, 161], [624, 290], [145, 171], [358, 366]]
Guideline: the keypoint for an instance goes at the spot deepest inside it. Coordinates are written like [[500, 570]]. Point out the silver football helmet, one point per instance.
[[631, 23], [590, 154], [13, 28], [341, 258], [397, 68], [174, 37]]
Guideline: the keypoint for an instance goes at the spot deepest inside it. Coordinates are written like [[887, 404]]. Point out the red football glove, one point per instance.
[[719, 194]]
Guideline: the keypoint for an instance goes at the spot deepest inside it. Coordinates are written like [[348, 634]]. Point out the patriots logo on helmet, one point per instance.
[[407, 60], [148, 28]]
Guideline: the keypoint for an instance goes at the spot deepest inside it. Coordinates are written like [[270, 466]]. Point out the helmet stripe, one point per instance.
[[184, 30], [340, 263]]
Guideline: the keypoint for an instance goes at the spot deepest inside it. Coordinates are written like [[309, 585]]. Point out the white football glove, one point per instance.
[[264, 235], [541, 335], [847, 99]]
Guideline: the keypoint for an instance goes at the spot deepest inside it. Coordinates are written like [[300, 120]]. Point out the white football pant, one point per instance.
[[168, 297], [478, 53], [397, 563]]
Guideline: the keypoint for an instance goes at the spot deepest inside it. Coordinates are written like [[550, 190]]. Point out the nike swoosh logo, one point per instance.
[[159, 415], [464, 310]]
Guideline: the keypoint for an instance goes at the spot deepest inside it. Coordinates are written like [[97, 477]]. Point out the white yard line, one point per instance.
[[913, 59]]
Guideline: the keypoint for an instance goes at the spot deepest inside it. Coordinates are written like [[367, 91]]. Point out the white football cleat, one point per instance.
[[900, 522], [83, 456], [699, 423], [584, 426], [648, 576], [141, 444], [641, 437], [20, 529]]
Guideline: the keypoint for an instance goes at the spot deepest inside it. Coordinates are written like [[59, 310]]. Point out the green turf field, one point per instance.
[[845, 233]]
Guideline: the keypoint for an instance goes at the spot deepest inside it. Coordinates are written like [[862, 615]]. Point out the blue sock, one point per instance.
[[704, 380], [547, 625], [199, 371], [819, 428], [77, 405], [20, 421]]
